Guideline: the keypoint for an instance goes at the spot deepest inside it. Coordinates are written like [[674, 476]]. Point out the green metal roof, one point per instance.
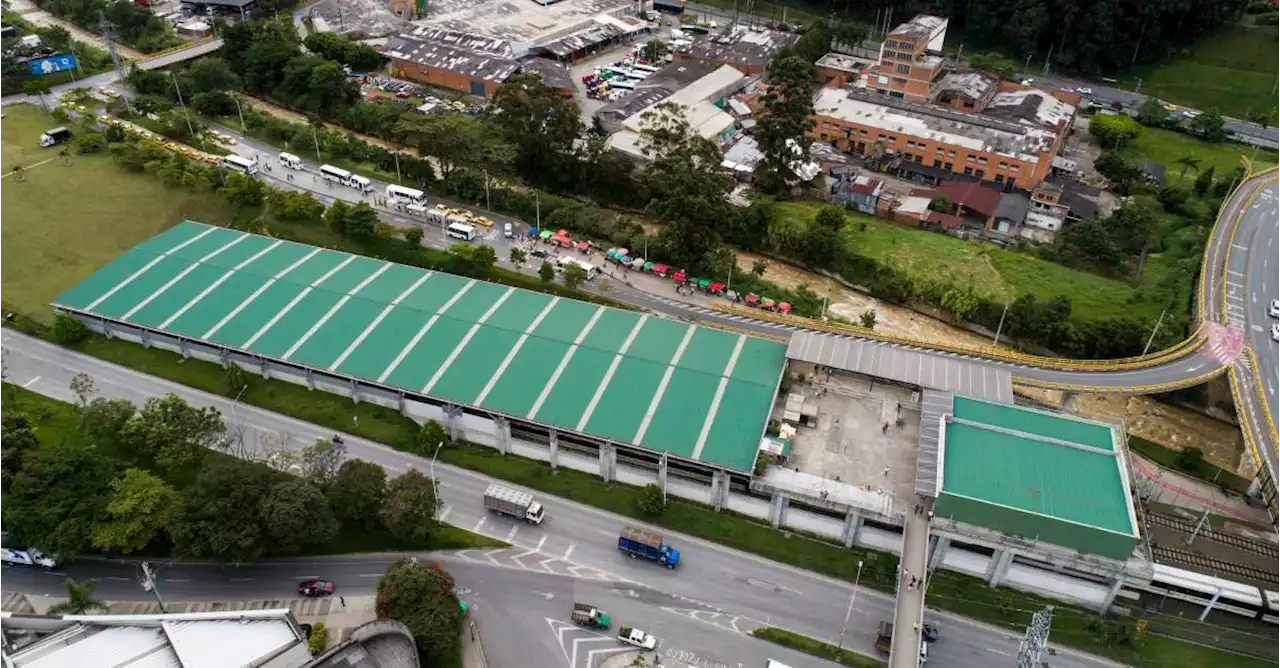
[[1035, 422], [1042, 476], [692, 391]]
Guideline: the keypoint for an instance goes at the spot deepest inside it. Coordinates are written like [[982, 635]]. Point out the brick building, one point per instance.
[[457, 61], [747, 49], [908, 63], [1011, 145]]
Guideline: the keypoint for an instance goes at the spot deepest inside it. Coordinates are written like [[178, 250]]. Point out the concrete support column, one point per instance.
[[999, 567], [778, 508], [940, 545], [355, 391], [404, 405], [719, 490], [182, 345], [662, 474], [1255, 486], [852, 527], [555, 449], [1111, 595], [502, 438], [224, 358], [146, 338], [453, 422], [311, 380], [262, 367], [608, 460]]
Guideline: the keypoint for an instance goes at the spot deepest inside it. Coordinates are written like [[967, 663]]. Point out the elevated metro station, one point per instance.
[[832, 435]]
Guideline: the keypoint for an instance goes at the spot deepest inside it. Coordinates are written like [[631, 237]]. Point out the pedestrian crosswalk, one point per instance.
[[1222, 343]]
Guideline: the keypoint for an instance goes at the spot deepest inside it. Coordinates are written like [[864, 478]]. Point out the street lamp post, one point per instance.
[[852, 597], [243, 129], [1153, 333], [435, 482]]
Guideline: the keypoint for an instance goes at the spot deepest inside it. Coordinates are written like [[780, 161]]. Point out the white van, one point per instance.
[[290, 160], [360, 183], [416, 210], [506, 230]]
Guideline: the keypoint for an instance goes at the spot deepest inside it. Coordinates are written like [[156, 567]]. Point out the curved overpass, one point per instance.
[[1237, 282]]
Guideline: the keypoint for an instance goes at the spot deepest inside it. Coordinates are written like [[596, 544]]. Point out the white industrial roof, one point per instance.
[[197, 640], [704, 118]]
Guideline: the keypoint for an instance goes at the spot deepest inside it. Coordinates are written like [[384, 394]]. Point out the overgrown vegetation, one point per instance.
[[168, 478], [54, 39], [815, 647], [134, 25]]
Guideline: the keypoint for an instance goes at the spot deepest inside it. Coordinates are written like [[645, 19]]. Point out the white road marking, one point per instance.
[[478, 525], [31, 382], [511, 535], [541, 541], [569, 552], [445, 515], [176, 580], [239, 579], [305, 577]]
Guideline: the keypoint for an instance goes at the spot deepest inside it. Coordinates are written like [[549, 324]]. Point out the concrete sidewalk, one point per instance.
[[1183, 491]]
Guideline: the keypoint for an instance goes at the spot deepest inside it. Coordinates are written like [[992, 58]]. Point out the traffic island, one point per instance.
[[815, 647]]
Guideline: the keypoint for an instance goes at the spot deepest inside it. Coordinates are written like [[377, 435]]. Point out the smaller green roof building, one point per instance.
[[1038, 475]]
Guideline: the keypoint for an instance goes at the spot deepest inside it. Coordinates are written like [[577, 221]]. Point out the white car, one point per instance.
[[506, 230], [1084, 90], [1275, 331], [1274, 311]]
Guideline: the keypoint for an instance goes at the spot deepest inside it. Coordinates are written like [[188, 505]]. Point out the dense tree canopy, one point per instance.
[[421, 595]]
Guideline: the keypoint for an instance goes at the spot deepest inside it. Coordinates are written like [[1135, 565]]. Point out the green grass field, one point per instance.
[[994, 273], [63, 222], [1234, 70], [1167, 146]]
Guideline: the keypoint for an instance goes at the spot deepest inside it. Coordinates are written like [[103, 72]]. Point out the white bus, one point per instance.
[[460, 231], [647, 69], [290, 160], [402, 195], [331, 173], [360, 183], [621, 84], [587, 267], [239, 164]]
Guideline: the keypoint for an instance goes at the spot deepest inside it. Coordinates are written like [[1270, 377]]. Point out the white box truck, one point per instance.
[[27, 557], [54, 137], [513, 503]]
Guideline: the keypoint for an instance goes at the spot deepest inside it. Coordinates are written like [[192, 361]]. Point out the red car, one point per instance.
[[312, 588]]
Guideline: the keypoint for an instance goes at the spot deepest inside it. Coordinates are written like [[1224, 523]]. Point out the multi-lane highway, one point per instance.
[[575, 540]]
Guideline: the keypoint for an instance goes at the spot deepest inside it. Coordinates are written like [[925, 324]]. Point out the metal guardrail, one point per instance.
[[175, 49], [985, 352], [1259, 462], [1251, 359], [1231, 242], [1150, 388]]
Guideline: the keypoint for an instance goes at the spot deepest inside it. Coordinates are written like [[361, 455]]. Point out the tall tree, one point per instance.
[[1210, 125], [689, 185], [357, 492], [19, 439], [137, 508], [543, 126], [56, 498], [215, 517], [173, 432], [409, 510], [456, 140], [783, 127], [296, 515], [421, 595]]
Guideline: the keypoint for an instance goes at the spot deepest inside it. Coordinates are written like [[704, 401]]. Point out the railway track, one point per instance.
[[1172, 556], [1238, 542]]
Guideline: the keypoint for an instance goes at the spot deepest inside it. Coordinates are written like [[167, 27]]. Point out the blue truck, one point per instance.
[[641, 544]]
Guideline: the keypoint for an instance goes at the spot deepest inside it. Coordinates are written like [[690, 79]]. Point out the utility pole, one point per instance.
[[848, 611], [1153, 332], [185, 114], [996, 341], [108, 34], [1036, 641], [149, 584]]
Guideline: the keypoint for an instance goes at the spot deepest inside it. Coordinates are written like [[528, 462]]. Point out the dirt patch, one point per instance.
[[850, 304], [1167, 425], [1039, 394]]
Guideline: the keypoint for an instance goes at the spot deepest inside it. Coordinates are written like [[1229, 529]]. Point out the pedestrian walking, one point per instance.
[[886, 471], [343, 601], [930, 515]]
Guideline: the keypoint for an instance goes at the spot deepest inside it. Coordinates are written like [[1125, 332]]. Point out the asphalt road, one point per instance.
[[1103, 94], [575, 540]]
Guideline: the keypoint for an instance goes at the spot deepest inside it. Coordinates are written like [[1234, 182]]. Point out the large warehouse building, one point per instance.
[[436, 345]]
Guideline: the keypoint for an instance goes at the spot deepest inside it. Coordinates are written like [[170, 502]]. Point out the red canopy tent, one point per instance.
[[784, 307], [716, 287], [766, 303], [661, 269], [752, 299], [680, 276], [584, 245]]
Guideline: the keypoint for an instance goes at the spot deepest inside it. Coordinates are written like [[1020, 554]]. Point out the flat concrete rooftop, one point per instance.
[[524, 22]]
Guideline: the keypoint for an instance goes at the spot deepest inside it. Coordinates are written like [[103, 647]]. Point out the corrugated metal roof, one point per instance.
[[1030, 473], [1036, 422], [216, 644]]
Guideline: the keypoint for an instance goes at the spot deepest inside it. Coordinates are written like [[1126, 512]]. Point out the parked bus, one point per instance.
[[461, 231], [641, 67], [331, 173], [586, 267], [402, 195], [239, 164], [360, 183], [621, 84], [290, 160]]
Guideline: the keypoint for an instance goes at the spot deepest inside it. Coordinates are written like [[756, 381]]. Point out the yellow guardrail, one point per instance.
[[735, 330], [1258, 384], [1151, 388], [986, 352], [1231, 242], [1254, 451]]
